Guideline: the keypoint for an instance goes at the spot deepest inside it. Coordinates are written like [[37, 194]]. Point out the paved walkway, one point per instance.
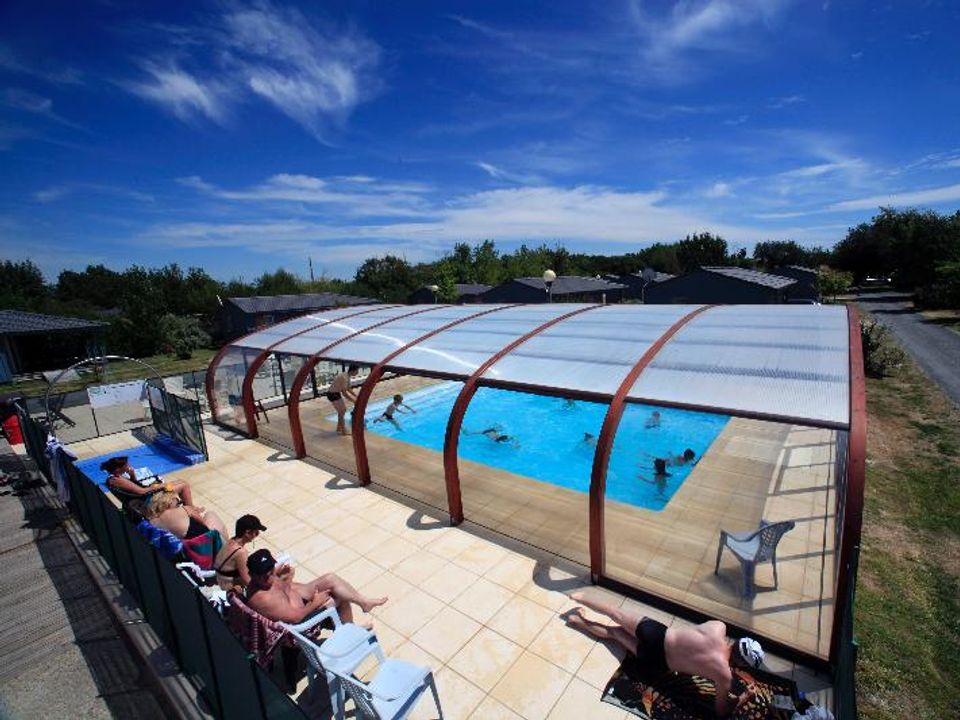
[[936, 349], [63, 656]]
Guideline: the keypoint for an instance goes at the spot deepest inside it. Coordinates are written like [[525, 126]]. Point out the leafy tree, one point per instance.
[[460, 264], [182, 335], [21, 286], [279, 282], [774, 253], [701, 249], [389, 278], [944, 292], [447, 287], [662, 257], [97, 285], [486, 264], [833, 282]]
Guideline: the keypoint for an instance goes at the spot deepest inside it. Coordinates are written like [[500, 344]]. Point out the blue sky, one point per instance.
[[243, 136]]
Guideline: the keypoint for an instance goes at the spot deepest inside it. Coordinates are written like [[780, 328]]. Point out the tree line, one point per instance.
[[167, 309]]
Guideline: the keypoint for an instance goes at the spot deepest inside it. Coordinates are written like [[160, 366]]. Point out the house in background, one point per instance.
[[31, 342], [636, 284], [566, 288], [808, 281], [722, 286], [241, 315], [467, 294]]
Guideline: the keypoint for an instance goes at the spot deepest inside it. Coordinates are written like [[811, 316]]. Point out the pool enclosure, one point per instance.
[[762, 533]]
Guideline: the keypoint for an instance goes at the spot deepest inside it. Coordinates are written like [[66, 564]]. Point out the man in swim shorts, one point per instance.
[[702, 650], [340, 389]]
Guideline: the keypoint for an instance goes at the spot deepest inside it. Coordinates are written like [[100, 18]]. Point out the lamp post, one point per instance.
[[434, 289], [548, 277]]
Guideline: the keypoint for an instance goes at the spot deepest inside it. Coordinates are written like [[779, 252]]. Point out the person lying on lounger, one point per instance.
[[702, 650], [397, 406], [166, 510], [123, 483], [495, 433], [273, 593]]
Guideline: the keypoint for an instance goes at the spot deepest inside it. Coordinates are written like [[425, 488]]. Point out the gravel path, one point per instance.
[[936, 349]]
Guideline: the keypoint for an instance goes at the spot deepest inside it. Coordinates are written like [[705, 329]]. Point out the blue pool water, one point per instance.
[[140, 456], [550, 434]]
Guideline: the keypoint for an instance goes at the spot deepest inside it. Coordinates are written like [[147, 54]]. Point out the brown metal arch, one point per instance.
[[293, 409], [856, 479], [601, 457], [451, 440], [247, 387], [366, 390]]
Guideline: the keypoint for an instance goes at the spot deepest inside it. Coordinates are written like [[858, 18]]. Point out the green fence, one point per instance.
[[226, 675], [177, 417]]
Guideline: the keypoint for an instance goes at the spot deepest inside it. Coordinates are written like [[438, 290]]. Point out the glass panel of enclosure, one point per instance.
[[313, 341], [525, 463], [781, 360], [373, 346], [263, 339], [460, 350], [228, 386], [273, 422], [318, 420], [670, 517], [406, 454], [592, 351]]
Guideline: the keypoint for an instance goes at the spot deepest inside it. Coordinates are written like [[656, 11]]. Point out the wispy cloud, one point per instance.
[[787, 101], [9, 62], [498, 173], [58, 192], [314, 73], [930, 196], [719, 190]]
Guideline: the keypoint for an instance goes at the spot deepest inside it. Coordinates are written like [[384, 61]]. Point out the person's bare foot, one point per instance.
[[371, 604], [578, 596], [578, 621]]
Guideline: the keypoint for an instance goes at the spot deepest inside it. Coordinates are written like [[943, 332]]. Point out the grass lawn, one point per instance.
[[907, 618], [948, 318], [118, 372]]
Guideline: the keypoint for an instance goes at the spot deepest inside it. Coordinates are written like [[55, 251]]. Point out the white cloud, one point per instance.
[[498, 173], [739, 120], [314, 74], [930, 196], [719, 190], [787, 101], [57, 192], [56, 76]]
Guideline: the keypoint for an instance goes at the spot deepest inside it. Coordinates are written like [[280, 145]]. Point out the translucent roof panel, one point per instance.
[[373, 346], [314, 341], [465, 347], [282, 330], [788, 361], [592, 351]]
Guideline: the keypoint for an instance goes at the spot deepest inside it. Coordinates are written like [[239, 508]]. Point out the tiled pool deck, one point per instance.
[[483, 611]]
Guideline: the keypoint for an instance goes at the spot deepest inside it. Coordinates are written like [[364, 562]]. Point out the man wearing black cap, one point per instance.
[[273, 594], [231, 563]]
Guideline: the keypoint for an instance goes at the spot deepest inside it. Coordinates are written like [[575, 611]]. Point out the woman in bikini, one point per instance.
[[166, 510], [231, 562]]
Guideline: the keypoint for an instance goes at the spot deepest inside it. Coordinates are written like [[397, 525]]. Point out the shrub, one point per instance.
[[182, 335], [881, 355], [944, 292]]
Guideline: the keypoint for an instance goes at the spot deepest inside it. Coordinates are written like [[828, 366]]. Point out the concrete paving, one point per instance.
[[63, 655], [935, 348]]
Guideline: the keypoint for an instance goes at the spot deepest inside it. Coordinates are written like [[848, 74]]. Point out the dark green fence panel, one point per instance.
[[233, 669], [276, 703], [151, 600], [79, 498], [117, 531]]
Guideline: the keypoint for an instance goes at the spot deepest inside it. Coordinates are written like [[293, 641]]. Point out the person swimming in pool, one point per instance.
[[589, 439], [653, 421], [495, 433], [397, 406], [687, 457], [659, 478]]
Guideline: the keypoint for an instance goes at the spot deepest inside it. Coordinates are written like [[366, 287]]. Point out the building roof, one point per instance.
[[781, 362], [304, 302], [752, 276], [16, 322], [658, 277], [796, 268], [571, 284], [472, 288]]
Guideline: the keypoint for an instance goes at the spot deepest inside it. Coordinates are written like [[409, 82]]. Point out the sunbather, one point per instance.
[[167, 510], [231, 563], [122, 481], [273, 593], [702, 650]]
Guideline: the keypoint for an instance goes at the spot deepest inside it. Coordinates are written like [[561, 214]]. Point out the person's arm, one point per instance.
[[131, 486], [409, 408], [241, 557], [279, 608]]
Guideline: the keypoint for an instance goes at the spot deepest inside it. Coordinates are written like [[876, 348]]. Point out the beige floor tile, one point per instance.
[[449, 582], [562, 645], [410, 612], [451, 544], [419, 566], [532, 687], [447, 632], [520, 620], [372, 536], [512, 572], [482, 600], [310, 546], [331, 560], [361, 571], [458, 697], [600, 664], [346, 528], [413, 653], [386, 584], [480, 557], [581, 700], [392, 552], [491, 709], [486, 658]]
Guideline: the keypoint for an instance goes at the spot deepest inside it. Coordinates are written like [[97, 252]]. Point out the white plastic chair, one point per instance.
[[393, 692], [193, 572], [341, 653], [753, 548]]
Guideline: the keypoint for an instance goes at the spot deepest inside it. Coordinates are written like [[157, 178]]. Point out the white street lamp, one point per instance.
[[434, 289], [548, 278]]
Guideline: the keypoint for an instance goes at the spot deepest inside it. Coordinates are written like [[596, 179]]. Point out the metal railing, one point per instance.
[[229, 679]]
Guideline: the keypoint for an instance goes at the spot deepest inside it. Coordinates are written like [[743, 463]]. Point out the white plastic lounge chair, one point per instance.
[[393, 692], [341, 653], [752, 548]]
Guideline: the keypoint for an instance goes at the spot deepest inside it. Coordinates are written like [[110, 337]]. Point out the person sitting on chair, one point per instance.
[[702, 650], [166, 510], [231, 563], [123, 483], [273, 593]]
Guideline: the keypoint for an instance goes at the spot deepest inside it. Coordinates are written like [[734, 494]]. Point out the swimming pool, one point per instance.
[[550, 434]]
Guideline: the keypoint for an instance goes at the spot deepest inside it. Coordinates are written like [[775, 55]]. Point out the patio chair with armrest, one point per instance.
[[342, 653], [392, 693], [753, 548]]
